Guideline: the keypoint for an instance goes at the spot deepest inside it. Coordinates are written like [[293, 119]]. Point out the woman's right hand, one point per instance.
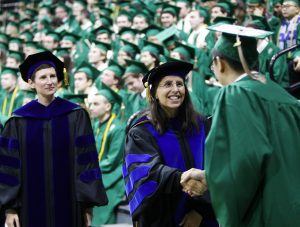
[[12, 219]]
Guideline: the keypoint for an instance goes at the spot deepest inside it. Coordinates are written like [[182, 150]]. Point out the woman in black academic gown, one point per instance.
[[49, 172], [160, 145]]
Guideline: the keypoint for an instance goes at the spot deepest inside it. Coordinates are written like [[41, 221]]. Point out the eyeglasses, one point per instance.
[[170, 84], [288, 6]]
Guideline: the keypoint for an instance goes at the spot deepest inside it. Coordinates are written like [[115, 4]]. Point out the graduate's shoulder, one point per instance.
[[267, 91]]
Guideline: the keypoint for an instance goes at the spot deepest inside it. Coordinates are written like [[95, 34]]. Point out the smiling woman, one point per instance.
[[160, 145], [49, 172]]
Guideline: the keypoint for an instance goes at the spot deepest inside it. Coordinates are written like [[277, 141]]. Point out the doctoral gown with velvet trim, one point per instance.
[[252, 156], [49, 170], [152, 169]]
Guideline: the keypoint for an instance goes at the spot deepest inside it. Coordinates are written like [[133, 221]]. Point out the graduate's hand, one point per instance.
[[88, 215], [191, 219], [297, 63], [12, 218], [189, 179]]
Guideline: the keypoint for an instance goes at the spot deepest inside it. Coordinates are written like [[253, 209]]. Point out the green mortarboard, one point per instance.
[[13, 14], [111, 96], [144, 13], [63, 6], [106, 11], [101, 45], [128, 30], [25, 22], [102, 29], [12, 23], [19, 56], [9, 70], [171, 9], [254, 2], [76, 98], [150, 6], [130, 48], [153, 48], [188, 52], [173, 68], [26, 36], [152, 30], [125, 13], [116, 68], [54, 35], [186, 1], [203, 12], [106, 21], [166, 33], [135, 67], [4, 37], [81, 2], [30, 12], [3, 46], [226, 5], [71, 37], [16, 40], [259, 22], [61, 51], [89, 70], [32, 62], [228, 44], [33, 44], [223, 20]]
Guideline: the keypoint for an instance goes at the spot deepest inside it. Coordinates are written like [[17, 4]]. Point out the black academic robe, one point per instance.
[[152, 169], [48, 165]]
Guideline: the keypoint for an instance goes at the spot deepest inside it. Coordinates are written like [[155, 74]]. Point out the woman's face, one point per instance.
[[170, 93], [45, 82]]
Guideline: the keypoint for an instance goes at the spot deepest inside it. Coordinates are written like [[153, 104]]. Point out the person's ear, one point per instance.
[[31, 83]]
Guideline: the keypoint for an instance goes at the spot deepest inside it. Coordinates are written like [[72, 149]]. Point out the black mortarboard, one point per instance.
[[172, 68], [32, 62]]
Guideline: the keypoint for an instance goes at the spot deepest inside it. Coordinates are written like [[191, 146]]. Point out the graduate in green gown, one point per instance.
[[252, 151], [109, 133], [11, 98]]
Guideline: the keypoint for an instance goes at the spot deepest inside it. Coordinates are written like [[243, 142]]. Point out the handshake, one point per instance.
[[193, 182]]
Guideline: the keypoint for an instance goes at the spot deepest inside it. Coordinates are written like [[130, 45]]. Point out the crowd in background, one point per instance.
[[110, 45]]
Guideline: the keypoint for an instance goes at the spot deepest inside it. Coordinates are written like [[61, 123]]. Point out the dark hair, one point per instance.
[[188, 115], [43, 66], [232, 63]]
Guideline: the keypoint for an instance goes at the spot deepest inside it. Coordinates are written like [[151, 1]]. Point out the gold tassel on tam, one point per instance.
[[66, 78], [148, 95]]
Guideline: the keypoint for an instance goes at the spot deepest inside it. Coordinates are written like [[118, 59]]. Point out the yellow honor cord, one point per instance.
[[113, 116], [11, 104], [66, 78]]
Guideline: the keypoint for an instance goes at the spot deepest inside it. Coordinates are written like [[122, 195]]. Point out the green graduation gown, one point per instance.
[[111, 167], [252, 156]]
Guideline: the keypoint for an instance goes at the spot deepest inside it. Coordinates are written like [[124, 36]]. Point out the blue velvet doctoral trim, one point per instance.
[[10, 161], [35, 174], [169, 147], [124, 171], [141, 193], [8, 180], [90, 175], [9, 143], [83, 141], [36, 110], [197, 141], [137, 158], [87, 157], [62, 172], [135, 176]]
